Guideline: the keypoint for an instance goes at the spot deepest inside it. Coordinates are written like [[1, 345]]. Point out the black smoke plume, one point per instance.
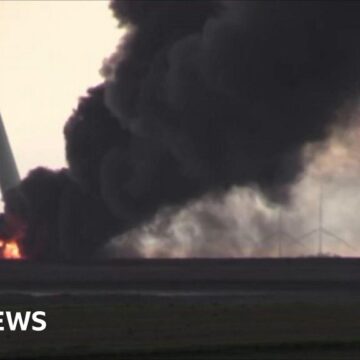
[[199, 96], [60, 218]]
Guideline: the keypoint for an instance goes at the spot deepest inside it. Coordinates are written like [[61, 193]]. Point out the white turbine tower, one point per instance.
[[9, 175], [321, 230]]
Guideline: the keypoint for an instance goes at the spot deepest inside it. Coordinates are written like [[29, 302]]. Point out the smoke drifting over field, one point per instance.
[[198, 98], [242, 222]]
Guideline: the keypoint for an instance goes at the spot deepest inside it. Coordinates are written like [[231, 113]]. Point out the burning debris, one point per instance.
[[10, 250], [12, 233], [198, 97], [55, 217]]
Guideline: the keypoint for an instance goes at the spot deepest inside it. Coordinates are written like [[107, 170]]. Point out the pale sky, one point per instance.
[[50, 53]]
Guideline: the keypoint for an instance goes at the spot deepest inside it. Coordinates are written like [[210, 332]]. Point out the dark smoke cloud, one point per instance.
[[90, 133], [235, 98], [62, 221], [199, 96], [134, 175]]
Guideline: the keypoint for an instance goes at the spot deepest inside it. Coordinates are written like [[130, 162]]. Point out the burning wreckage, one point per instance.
[[198, 97]]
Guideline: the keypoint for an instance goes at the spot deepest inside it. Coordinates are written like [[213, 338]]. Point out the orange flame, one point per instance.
[[10, 250], [13, 232]]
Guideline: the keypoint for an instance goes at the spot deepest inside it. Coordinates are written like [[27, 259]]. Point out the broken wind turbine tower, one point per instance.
[[9, 175]]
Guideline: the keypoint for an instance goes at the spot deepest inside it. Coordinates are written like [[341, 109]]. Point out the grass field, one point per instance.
[[177, 329], [262, 309]]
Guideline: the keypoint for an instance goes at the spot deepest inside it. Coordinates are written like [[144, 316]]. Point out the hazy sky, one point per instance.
[[50, 53]]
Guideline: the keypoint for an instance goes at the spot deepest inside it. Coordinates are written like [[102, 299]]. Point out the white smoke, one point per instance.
[[242, 223]]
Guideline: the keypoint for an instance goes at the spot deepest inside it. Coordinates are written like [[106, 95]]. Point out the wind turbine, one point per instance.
[[280, 234], [321, 230]]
